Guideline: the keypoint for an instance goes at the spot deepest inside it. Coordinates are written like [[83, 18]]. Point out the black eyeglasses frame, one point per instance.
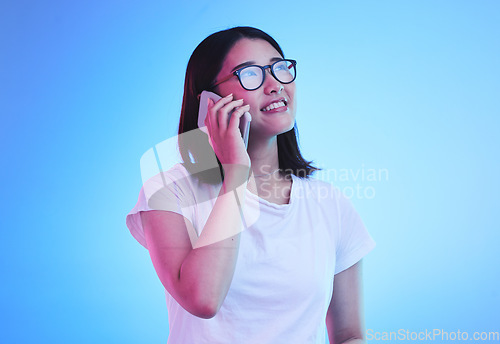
[[293, 64]]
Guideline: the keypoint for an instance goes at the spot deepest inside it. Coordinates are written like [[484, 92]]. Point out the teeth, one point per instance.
[[274, 106]]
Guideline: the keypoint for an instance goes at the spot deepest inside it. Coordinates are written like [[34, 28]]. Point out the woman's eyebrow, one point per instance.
[[244, 64], [249, 63]]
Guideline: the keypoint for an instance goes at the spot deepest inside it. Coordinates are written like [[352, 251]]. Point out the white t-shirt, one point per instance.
[[288, 256]]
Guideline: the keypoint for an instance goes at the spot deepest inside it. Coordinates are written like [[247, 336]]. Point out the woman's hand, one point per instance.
[[225, 136]]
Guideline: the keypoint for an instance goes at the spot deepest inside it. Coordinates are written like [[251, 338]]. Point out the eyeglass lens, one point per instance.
[[251, 77]]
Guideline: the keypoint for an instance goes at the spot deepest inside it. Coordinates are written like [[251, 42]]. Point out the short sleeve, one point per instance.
[[163, 192], [354, 240]]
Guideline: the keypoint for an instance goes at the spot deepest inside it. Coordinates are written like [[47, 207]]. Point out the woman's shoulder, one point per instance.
[[315, 188], [182, 174], [316, 183], [177, 171], [177, 175]]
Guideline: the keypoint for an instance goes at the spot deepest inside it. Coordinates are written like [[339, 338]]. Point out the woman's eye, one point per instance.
[[280, 66], [248, 73]]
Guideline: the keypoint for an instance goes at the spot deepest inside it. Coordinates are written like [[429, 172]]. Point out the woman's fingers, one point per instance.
[[234, 121], [219, 112], [226, 111], [215, 109], [222, 122]]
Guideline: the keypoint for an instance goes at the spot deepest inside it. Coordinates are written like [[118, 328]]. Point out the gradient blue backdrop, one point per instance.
[[87, 87]]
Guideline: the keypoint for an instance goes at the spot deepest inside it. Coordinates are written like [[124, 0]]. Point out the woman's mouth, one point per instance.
[[275, 105]]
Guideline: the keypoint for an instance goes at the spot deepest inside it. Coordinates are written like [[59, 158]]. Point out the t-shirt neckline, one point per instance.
[[286, 206]]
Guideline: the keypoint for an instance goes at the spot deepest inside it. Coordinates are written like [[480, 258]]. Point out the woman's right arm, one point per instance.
[[199, 276]]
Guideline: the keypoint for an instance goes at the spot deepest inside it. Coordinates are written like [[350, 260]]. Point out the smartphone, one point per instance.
[[202, 114]]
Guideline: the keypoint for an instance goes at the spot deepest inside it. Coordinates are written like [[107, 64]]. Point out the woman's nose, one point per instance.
[[271, 85]]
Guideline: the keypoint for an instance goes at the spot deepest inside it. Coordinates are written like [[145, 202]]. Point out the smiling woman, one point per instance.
[[245, 242]]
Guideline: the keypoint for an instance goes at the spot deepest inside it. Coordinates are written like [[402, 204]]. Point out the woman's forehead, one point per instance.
[[257, 51]]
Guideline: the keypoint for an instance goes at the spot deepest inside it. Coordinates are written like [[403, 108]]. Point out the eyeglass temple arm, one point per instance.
[[224, 79]]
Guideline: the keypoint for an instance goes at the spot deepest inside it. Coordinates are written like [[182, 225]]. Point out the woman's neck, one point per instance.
[[264, 156], [267, 183]]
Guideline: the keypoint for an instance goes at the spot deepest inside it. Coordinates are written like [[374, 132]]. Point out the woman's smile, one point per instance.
[[278, 105]]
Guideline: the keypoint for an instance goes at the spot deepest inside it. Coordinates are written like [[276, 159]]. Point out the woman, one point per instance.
[[250, 256]]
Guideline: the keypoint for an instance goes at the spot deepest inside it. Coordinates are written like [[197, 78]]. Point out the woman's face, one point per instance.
[[266, 122]]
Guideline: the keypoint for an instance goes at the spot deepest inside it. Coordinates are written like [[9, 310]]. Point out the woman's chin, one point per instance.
[[289, 126], [270, 132]]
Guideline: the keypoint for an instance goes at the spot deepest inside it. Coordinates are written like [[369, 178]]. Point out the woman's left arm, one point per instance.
[[344, 319]]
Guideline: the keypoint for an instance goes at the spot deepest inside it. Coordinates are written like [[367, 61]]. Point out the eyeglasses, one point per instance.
[[252, 77]]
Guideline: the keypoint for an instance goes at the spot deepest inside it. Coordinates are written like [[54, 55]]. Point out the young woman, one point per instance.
[[248, 248]]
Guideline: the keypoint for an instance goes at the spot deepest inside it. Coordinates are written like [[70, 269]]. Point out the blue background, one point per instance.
[[87, 87]]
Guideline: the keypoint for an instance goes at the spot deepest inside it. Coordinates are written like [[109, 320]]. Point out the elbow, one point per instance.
[[200, 307], [351, 340], [205, 307], [200, 299], [206, 310]]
